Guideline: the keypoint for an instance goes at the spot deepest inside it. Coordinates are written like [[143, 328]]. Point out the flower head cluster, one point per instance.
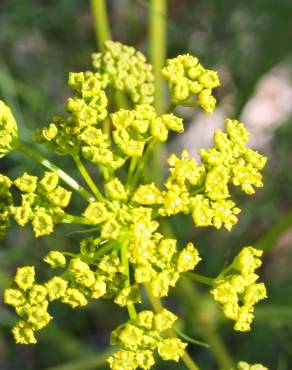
[[134, 128], [78, 283], [6, 202], [87, 109], [125, 69], [187, 77], [203, 189], [238, 292], [129, 250], [228, 162], [30, 302], [42, 202], [8, 130], [155, 258], [245, 366], [140, 337]]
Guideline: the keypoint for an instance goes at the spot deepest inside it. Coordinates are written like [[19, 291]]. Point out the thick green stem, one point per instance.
[[87, 177], [200, 278], [100, 22], [157, 51], [102, 34], [270, 238], [49, 165], [207, 329], [157, 40], [157, 306]]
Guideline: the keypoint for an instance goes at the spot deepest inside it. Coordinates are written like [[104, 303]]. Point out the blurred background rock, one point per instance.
[[249, 43]]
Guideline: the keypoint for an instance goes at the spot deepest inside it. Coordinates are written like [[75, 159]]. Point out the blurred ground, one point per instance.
[[250, 44]]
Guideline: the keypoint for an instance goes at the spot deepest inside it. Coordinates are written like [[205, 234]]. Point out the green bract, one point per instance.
[[129, 250]]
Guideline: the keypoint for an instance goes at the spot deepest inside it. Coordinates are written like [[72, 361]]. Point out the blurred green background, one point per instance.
[[249, 43]]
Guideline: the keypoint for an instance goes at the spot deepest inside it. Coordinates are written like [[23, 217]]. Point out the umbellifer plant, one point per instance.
[[128, 252]]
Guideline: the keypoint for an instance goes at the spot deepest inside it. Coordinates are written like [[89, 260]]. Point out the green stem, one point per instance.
[[273, 235], [102, 34], [157, 306], [83, 231], [189, 339], [89, 362], [198, 190], [49, 165], [141, 164], [124, 240], [157, 40], [218, 348], [200, 278], [132, 167], [87, 177], [106, 127], [207, 329], [69, 254], [225, 271], [185, 103], [106, 248], [71, 219], [171, 107], [100, 22]]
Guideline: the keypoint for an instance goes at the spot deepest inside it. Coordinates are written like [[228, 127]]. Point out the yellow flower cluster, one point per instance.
[[6, 202], [155, 258], [129, 250], [134, 128], [30, 302], [87, 109], [243, 164], [78, 283], [187, 77], [238, 292], [125, 69], [8, 130], [242, 365], [41, 202], [140, 337], [203, 189], [245, 366]]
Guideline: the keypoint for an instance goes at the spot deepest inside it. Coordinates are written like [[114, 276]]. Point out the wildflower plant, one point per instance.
[[128, 252]]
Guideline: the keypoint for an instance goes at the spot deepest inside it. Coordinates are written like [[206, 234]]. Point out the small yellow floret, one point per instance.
[[23, 333], [116, 189], [26, 183], [55, 259], [25, 277], [171, 349]]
